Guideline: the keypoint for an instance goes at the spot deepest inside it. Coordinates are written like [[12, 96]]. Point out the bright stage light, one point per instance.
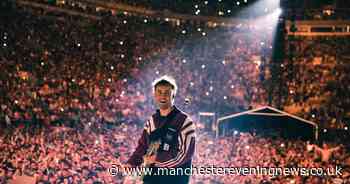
[[278, 11], [262, 8]]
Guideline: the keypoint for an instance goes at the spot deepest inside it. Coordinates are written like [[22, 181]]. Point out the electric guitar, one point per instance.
[[152, 150]]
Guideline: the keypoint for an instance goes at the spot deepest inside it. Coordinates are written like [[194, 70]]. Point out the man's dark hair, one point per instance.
[[164, 83], [165, 80]]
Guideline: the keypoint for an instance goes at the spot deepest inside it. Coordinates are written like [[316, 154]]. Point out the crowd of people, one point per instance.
[[312, 10], [99, 70], [73, 71], [221, 8], [61, 155], [249, 150], [57, 155], [86, 75], [316, 79]]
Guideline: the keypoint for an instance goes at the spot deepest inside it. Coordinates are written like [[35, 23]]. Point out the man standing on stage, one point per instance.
[[173, 130]]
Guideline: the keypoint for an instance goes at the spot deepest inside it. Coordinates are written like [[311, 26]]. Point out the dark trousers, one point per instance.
[[179, 179]]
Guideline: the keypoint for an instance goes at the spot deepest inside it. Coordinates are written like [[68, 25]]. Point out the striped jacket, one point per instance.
[[180, 152]]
